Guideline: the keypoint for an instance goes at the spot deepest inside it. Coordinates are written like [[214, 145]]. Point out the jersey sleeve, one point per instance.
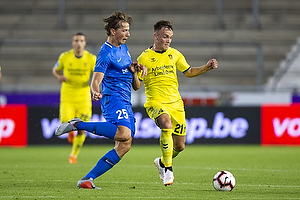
[[102, 62], [182, 64], [59, 64], [94, 58]]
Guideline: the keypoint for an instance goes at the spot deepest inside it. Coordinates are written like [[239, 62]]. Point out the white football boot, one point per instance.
[[168, 177], [161, 170], [68, 126], [86, 184]]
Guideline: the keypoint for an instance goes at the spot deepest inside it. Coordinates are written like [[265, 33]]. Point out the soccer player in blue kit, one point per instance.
[[117, 73]]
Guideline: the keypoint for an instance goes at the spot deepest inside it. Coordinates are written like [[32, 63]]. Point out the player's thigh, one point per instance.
[[177, 115], [118, 112], [157, 112], [84, 111], [67, 111]]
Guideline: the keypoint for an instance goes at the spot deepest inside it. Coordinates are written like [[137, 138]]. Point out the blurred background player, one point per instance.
[[116, 73], [0, 73], [77, 66], [164, 104]]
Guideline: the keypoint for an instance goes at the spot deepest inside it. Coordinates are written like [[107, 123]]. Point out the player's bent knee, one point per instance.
[[123, 134], [164, 121], [122, 137], [166, 125]]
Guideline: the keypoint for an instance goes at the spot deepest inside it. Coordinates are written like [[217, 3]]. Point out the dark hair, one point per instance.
[[162, 23], [113, 21], [79, 33]]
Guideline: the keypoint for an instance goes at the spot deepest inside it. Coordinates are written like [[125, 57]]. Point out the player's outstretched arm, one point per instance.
[[196, 71]]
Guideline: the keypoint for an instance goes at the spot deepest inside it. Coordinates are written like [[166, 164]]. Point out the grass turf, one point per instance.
[[43, 172]]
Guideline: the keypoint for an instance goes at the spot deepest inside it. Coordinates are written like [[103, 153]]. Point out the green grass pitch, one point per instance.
[[43, 172]]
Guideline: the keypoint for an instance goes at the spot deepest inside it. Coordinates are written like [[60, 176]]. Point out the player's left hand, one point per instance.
[[136, 67], [212, 63]]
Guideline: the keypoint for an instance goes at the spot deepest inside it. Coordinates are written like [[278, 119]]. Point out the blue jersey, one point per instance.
[[114, 62]]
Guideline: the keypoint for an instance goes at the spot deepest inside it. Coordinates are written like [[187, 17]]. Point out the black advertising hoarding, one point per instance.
[[223, 125], [205, 125], [42, 122]]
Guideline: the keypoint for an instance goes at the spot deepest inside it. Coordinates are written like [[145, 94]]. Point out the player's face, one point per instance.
[[78, 43], [121, 34], [163, 38]]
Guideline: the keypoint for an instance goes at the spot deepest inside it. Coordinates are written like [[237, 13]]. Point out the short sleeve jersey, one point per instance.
[[78, 72], [161, 82], [114, 62]]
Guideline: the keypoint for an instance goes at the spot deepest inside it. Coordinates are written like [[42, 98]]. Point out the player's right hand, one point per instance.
[[62, 78], [97, 96]]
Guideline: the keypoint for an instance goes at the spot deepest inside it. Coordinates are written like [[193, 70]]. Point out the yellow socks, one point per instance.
[[166, 145], [77, 144]]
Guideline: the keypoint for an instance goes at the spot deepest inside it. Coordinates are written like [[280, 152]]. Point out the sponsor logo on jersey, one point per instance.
[[124, 71]]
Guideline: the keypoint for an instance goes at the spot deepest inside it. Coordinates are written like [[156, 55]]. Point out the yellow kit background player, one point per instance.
[[164, 104], [77, 66]]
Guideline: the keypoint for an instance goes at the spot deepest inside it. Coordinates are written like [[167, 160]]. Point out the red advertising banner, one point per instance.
[[280, 124], [13, 125]]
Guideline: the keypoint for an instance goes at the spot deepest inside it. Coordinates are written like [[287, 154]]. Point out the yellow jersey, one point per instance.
[[161, 82], [78, 72]]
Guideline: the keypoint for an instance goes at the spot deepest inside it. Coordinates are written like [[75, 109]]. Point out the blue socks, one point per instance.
[[104, 164], [106, 129], [111, 158]]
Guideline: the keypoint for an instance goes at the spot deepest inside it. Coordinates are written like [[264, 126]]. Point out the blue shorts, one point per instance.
[[118, 112]]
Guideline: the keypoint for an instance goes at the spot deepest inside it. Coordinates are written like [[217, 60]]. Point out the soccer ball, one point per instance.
[[224, 181]]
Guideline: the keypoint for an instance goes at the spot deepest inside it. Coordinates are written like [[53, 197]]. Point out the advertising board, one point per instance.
[[13, 125], [205, 125], [280, 124]]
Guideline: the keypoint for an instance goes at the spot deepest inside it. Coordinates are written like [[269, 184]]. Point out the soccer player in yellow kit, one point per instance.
[[77, 65], [164, 104]]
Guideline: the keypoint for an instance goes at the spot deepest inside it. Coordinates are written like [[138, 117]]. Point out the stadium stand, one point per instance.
[[286, 77], [32, 37]]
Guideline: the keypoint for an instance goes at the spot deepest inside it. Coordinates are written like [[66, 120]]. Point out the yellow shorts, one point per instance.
[[174, 110], [69, 110]]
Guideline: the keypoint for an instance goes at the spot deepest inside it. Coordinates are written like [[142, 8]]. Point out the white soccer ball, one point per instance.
[[224, 181]]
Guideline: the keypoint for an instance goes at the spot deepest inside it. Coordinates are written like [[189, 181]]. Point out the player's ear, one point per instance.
[[155, 35], [112, 31]]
